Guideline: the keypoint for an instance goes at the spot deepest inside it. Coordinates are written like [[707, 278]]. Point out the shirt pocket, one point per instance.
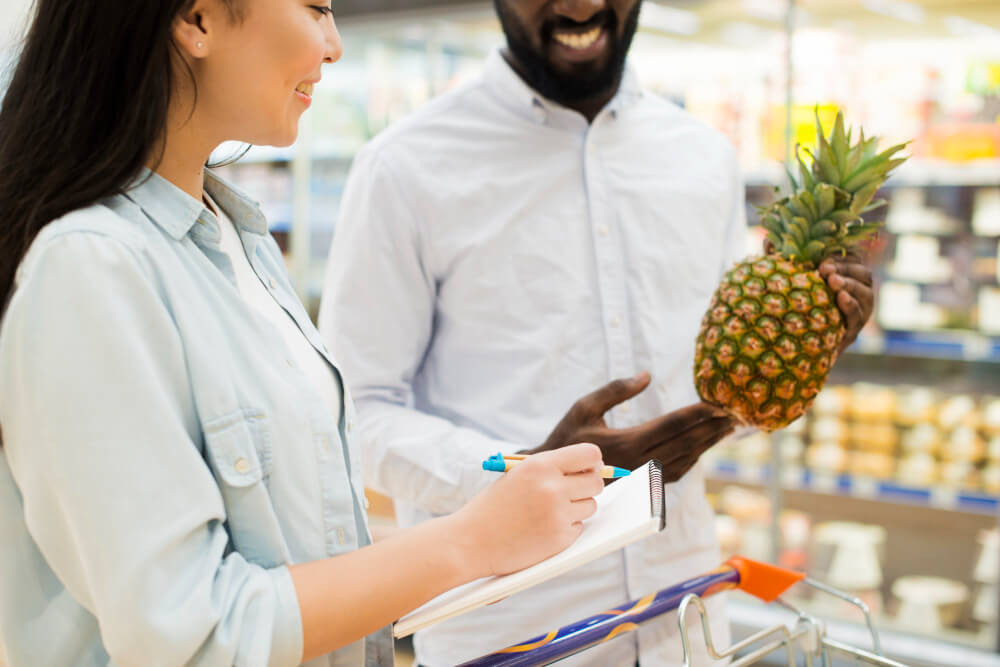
[[238, 450]]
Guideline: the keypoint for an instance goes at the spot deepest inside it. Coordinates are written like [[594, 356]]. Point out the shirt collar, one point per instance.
[[512, 91], [176, 212]]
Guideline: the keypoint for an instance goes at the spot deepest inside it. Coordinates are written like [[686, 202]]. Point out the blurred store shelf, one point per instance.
[[953, 345], [856, 486]]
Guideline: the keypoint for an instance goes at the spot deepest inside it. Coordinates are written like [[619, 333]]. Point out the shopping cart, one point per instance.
[[805, 636]]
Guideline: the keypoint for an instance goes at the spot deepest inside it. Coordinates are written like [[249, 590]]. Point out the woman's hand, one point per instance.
[[532, 512]]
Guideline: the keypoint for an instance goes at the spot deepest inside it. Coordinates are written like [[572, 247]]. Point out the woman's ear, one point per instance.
[[195, 27]]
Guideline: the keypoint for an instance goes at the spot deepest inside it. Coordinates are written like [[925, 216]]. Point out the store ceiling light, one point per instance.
[[897, 9], [669, 19], [963, 27]]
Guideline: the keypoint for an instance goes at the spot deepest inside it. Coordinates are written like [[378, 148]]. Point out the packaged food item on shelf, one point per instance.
[[922, 439], [985, 574], [964, 444], [901, 306], [827, 456], [830, 429], [918, 469], [986, 212], [991, 416], [882, 437], [797, 427], [754, 449], [871, 402], [832, 401], [959, 410], [871, 464], [792, 448], [959, 474], [987, 569], [989, 308], [918, 258], [993, 449], [929, 604], [850, 556], [989, 478], [915, 405], [910, 214]]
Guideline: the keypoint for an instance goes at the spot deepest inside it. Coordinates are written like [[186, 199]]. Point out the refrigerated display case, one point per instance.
[[890, 486]]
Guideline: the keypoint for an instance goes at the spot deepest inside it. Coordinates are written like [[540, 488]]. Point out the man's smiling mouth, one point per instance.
[[576, 40]]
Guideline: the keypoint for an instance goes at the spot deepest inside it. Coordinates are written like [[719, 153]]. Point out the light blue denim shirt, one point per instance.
[[163, 461]]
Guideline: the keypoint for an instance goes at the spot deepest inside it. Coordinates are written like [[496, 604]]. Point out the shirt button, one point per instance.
[[350, 425], [340, 535], [291, 364], [603, 230], [242, 466], [625, 408], [616, 321], [271, 283]]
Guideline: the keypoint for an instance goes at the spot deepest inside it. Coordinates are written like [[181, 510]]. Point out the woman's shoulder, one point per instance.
[[83, 238], [101, 220]]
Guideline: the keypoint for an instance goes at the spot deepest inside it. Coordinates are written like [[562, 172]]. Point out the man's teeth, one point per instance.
[[573, 41], [305, 89]]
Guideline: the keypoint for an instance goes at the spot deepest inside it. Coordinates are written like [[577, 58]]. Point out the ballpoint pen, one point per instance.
[[500, 463]]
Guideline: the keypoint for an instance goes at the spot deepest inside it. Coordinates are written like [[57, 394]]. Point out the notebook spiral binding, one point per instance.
[[657, 503]]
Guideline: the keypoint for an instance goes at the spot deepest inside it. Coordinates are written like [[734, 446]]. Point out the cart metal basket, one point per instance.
[[805, 637]]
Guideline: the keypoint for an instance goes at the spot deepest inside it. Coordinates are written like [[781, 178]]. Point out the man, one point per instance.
[[511, 247]]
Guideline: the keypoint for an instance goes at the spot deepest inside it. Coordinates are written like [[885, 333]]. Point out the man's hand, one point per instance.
[[852, 282], [677, 439]]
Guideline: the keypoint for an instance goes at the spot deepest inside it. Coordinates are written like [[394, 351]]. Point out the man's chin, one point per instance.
[[587, 69]]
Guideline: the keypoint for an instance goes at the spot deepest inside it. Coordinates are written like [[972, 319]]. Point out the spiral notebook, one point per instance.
[[628, 510]]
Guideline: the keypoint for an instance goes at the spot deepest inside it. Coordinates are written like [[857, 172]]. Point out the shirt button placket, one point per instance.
[[611, 277]]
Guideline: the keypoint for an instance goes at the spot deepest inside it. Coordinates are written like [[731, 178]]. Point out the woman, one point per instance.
[[178, 482]]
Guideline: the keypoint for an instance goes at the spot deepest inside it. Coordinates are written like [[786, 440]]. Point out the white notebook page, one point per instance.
[[623, 516]]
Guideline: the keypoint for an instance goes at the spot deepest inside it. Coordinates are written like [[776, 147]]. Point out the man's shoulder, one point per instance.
[[670, 121], [434, 121]]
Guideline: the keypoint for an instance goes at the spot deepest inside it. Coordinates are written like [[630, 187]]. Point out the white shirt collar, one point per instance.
[[512, 91]]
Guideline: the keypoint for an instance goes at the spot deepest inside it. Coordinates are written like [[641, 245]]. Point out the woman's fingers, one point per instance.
[[580, 486], [581, 510]]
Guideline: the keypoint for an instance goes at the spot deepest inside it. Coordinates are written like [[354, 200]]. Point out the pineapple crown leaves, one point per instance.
[[823, 216]]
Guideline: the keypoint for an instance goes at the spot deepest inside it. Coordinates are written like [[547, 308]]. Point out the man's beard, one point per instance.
[[568, 87]]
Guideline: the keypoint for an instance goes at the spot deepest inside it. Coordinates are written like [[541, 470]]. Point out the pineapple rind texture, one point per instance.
[[773, 329], [768, 341]]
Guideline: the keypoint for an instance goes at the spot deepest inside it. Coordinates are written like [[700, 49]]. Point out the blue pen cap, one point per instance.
[[495, 463]]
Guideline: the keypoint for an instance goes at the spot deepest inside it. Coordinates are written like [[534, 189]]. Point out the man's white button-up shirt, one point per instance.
[[498, 257]]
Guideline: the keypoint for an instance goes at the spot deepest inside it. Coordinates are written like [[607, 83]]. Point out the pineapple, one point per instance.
[[773, 329]]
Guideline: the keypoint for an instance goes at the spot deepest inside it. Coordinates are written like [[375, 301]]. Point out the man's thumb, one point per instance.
[[619, 391]]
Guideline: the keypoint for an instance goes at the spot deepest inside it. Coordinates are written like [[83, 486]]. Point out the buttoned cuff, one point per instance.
[[287, 642]]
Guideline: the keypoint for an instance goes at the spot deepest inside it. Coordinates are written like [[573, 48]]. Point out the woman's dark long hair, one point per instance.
[[86, 106]]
